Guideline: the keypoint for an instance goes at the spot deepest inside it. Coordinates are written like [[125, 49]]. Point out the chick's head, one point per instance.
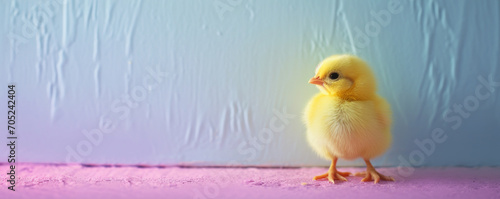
[[345, 76]]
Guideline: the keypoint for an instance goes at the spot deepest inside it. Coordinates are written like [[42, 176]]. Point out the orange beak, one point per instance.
[[317, 81]]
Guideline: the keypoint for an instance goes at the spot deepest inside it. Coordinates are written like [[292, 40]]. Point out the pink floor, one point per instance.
[[51, 181]]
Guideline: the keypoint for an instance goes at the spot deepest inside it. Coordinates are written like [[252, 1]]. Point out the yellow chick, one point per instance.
[[347, 119]]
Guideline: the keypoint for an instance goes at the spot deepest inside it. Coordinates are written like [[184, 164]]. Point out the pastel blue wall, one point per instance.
[[207, 82]]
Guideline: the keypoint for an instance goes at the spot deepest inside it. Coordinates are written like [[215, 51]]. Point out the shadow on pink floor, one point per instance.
[[76, 181]]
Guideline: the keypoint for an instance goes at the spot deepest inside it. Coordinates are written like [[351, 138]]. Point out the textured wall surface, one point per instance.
[[225, 81]]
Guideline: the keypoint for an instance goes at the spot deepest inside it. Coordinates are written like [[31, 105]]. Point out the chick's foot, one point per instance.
[[373, 175], [333, 175]]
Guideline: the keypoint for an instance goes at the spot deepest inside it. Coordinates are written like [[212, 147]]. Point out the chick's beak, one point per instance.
[[317, 81]]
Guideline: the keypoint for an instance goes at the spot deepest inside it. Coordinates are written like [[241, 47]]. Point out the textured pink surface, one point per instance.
[[50, 181]]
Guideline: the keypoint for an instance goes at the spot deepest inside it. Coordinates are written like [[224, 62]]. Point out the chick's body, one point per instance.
[[348, 129], [347, 119]]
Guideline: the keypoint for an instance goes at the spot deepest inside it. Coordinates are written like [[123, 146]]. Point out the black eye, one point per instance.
[[334, 76]]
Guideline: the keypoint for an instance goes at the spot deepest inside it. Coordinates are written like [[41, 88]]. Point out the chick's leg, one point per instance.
[[372, 175], [333, 174]]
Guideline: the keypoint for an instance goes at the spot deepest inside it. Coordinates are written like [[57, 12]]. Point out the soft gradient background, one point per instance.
[[225, 70]]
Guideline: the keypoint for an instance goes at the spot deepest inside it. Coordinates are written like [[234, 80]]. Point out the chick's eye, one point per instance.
[[334, 76]]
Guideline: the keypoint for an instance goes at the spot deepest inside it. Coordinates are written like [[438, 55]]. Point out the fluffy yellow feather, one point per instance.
[[347, 119]]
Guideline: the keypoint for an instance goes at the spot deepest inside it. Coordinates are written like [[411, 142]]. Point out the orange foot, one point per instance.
[[333, 175], [372, 175]]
